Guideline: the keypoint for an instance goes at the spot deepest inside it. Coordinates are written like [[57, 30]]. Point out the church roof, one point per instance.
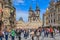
[[20, 19]]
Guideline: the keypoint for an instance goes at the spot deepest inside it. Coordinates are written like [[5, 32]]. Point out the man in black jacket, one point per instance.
[[19, 34]]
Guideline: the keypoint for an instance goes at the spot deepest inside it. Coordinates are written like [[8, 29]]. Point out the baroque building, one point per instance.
[[7, 14], [52, 15]]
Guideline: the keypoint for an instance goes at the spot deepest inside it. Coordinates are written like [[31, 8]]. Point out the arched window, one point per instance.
[[58, 18], [54, 20]]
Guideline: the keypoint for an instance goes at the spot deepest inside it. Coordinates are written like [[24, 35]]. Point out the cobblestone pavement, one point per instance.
[[56, 37]]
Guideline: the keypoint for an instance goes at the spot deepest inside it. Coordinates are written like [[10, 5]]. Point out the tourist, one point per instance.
[[6, 34], [51, 31], [37, 34], [1, 35], [47, 32], [40, 30], [19, 34], [32, 35], [42, 33], [13, 34], [26, 34]]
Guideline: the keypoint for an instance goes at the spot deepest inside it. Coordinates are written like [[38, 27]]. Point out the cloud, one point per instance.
[[23, 14], [17, 2], [20, 1]]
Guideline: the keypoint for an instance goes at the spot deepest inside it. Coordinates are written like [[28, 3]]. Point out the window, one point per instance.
[[59, 9], [54, 14], [58, 18], [34, 19], [51, 21], [54, 20], [49, 15]]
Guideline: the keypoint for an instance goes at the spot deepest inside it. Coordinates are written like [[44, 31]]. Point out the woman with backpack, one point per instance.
[[6, 34], [51, 31], [37, 34]]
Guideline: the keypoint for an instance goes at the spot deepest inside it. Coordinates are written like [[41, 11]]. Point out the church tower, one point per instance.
[[30, 14], [37, 12]]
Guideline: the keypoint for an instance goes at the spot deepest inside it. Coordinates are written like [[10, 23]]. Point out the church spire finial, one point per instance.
[[30, 9], [37, 7], [52, 1], [47, 10]]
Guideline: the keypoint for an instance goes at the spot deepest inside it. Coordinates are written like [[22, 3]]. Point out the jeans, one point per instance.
[[19, 38], [6, 37], [32, 38], [12, 37], [52, 34], [0, 37]]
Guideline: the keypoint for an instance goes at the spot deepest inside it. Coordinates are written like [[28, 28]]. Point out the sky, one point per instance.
[[22, 7]]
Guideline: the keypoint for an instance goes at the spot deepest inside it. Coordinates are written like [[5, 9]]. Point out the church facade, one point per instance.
[[34, 15]]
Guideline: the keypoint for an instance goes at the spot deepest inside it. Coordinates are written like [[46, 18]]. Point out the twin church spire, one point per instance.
[[37, 8], [34, 16]]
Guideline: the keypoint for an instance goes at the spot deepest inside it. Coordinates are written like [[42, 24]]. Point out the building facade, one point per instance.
[[7, 14], [20, 24], [52, 14]]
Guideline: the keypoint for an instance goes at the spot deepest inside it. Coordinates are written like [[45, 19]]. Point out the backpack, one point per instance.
[[51, 30]]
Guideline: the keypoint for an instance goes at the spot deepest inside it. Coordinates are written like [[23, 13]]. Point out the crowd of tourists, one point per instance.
[[41, 31]]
